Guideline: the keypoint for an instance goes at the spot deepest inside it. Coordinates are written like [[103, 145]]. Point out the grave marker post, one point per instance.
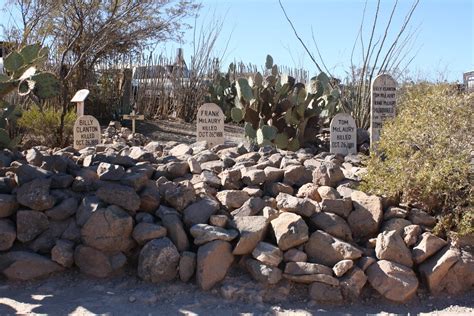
[[382, 105], [343, 133], [210, 124], [133, 117], [79, 99]]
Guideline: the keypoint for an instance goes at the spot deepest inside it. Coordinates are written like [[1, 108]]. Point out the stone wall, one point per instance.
[[182, 211]]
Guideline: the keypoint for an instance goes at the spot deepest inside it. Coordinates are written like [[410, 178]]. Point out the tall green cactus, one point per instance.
[[277, 110], [22, 74]]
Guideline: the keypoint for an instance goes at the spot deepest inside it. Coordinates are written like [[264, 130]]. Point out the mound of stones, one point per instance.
[[176, 211]]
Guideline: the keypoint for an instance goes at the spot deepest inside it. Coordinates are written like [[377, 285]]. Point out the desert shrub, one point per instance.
[[42, 125], [424, 154]]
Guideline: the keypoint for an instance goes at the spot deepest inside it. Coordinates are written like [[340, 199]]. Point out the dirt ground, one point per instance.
[[75, 294]]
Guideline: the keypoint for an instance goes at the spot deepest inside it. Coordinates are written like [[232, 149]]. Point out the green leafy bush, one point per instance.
[[424, 153], [43, 125]]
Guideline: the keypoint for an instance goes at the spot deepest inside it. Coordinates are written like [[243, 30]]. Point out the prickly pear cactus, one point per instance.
[[277, 110], [22, 74]]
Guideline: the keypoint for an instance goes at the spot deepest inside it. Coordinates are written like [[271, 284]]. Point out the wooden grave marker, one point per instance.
[[210, 124], [86, 128], [133, 117], [343, 133], [382, 105]]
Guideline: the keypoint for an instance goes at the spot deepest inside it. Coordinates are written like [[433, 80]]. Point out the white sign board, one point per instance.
[[80, 96], [382, 104], [86, 132], [343, 135], [210, 124]]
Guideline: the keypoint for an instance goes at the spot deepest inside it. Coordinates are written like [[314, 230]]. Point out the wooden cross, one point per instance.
[[79, 99], [133, 116]]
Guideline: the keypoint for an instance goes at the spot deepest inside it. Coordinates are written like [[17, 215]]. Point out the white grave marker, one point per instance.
[[86, 132], [133, 116], [86, 127], [79, 99], [210, 124], [343, 135], [382, 104]]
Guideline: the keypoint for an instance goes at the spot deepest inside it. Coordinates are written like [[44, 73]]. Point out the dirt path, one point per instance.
[[75, 294]]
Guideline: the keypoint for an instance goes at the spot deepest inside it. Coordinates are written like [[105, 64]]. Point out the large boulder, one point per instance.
[[199, 212], [96, 263], [144, 232], [171, 220], [204, 233], [8, 205], [262, 272], [332, 224], [352, 283], [290, 230], [89, 205], [390, 246], [180, 196], [30, 224], [108, 229], [158, 261], [435, 268], [460, 278], [232, 199], [367, 215], [63, 210], [121, 195], [328, 173], [427, 246], [35, 195], [394, 281], [288, 203], [327, 250], [23, 266], [213, 261], [252, 230], [7, 234]]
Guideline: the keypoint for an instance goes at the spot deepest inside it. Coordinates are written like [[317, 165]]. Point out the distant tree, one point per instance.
[[82, 33]]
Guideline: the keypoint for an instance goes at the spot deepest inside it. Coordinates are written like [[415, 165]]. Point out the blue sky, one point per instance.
[[444, 44]]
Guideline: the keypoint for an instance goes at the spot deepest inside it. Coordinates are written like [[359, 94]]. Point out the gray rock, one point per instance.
[[144, 232], [107, 171], [290, 230], [411, 234], [63, 210], [352, 283], [88, 206], [263, 273], [252, 230], [394, 281], [295, 255], [397, 224], [268, 254], [187, 266], [35, 195], [310, 191], [342, 267], [297, 175], [24, 266], [150, 197], [328, 174], [327, 192], [63, 253], [327, 250], [232, 199], [158, 261], [199, 212], [332, 224], [253, 206], [367, 215], [120, 195], [213, 261], [27, 173], [96, 263], [289, 203], [435, 268], [427, 246], [394, 212], [390, 246], [29, 224], [7, 234], [341, 207], [180, 196], [171, 221], [109, 229], [419, 217], [8, 205], [204, 233], [305, 268]]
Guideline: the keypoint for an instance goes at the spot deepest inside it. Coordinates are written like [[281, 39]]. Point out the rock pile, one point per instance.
[[177, 211]]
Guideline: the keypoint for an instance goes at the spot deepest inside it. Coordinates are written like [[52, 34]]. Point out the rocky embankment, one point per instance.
[[173, 210]]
